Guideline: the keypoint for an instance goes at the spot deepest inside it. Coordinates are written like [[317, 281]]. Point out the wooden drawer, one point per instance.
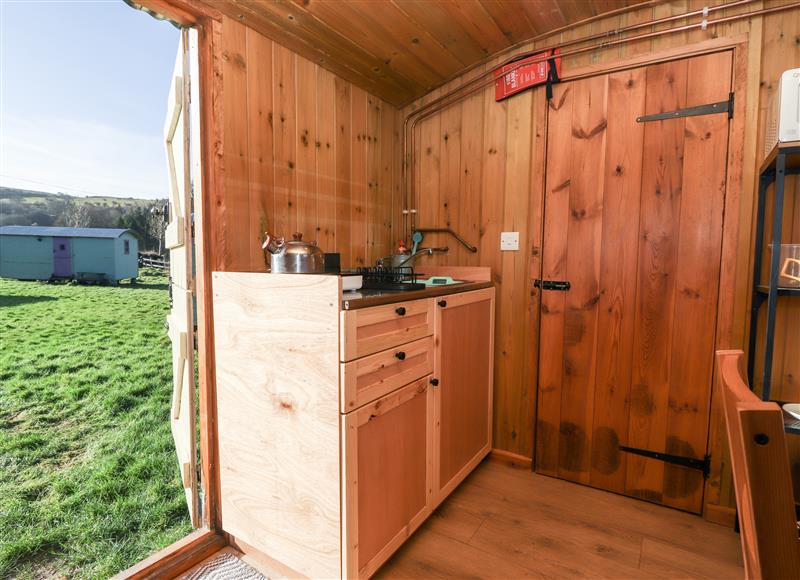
[[372, 330], [371, 377]]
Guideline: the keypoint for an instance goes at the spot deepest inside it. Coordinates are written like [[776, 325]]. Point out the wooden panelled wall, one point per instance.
[[479, 170], [302, 150]]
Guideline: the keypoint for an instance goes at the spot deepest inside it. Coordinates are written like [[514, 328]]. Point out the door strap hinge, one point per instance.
[[703, 465], [709, 109], [560, 285]]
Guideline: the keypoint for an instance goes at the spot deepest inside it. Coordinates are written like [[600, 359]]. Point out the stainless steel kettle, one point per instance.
[[294, 256]]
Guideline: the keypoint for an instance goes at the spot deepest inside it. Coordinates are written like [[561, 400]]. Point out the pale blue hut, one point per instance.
[[51, 253]]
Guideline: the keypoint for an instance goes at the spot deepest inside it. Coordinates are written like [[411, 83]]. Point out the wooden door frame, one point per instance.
[[203, 542], [736, 231]]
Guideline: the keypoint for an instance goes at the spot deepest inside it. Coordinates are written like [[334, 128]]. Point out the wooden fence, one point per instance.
[[151, 261]]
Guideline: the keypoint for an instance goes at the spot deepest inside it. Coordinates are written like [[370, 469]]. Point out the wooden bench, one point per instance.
[[761, 475]]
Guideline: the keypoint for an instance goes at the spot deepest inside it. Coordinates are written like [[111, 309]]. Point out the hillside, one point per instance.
[[26, 207]]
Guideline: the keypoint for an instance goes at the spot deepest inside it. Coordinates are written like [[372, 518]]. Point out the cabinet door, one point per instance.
[[387, 465], [463, 367]]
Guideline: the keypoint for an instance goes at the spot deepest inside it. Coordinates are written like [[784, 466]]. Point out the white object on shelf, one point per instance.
[[789, 265], [509, 241], [351, 282], [783, 118], [793, 409]]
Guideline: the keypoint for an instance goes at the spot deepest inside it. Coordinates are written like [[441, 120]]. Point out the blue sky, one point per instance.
[[83, 90]]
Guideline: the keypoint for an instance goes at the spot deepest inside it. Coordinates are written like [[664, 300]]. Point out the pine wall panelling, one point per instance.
[[510, 138], [303, 150]]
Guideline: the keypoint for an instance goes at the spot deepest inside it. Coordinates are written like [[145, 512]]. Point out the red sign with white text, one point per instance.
[[529, 74]]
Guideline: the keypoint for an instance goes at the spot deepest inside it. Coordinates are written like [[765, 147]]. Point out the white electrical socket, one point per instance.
[[509, 241]]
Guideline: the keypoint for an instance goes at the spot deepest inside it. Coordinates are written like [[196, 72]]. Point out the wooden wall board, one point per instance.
[[377, 217], [660, 216], [343, 148], [306, 150], [285, 154], [622, 177], [585, 223], [260, 138], [359, 216], [326, 160], [553, 304], [699, 252], [235, 156], [297, 155]]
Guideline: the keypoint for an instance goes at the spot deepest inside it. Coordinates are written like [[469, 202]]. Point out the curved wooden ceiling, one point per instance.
[[400, 50]]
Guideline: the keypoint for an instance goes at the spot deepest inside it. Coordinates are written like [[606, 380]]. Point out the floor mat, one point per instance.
[[225, 567]]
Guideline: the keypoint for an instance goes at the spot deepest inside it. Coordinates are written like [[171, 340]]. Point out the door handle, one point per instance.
[[434, 382], [442, 303]]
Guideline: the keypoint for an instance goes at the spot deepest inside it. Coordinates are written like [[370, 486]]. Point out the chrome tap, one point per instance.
[[429, 251]]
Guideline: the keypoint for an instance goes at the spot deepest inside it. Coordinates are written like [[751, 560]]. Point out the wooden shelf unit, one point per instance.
[[783, 160]]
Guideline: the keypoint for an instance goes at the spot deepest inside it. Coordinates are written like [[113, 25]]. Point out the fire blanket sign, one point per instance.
[[529, 72]]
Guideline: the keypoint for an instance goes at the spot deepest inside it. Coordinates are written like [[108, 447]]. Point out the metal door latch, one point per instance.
[[703, 465], [560, 285]]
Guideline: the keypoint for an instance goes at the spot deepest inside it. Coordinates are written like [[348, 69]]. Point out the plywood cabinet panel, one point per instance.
[[278, 398]]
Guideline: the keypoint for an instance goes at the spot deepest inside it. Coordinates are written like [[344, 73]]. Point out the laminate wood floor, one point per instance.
[[504, 522]]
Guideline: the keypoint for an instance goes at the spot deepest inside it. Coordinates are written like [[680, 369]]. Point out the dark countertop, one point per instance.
[[367, 298]]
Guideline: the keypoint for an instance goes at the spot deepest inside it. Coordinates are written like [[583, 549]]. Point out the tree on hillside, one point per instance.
[[157, 223], [76, 215]]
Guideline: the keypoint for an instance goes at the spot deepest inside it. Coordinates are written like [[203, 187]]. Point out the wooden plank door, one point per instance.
[[633, 220], [463, 370], [178, 240]]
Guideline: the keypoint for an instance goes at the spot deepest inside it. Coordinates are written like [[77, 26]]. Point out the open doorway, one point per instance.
[[98, 444]]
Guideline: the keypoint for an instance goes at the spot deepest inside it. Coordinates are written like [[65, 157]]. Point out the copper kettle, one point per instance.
[[293, 256]]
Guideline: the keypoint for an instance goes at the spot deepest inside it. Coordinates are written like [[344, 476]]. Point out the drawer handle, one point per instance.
[[400, 311], [434, 382], [401, 355], [442, 303]]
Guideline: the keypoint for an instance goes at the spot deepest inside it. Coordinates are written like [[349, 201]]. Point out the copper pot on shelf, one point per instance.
[[294, 256]]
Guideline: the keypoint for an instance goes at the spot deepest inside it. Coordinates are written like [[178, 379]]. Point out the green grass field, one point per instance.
[[89, 481]]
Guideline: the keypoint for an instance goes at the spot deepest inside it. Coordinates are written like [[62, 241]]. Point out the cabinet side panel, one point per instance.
[[277, 351]]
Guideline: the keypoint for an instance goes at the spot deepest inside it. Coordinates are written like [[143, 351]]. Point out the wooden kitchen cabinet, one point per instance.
[[464, 336], [387, 467], [341, 430]]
